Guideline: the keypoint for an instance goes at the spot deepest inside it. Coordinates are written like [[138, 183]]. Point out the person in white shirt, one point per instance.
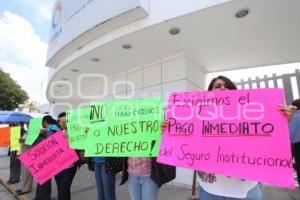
[[218, 187]]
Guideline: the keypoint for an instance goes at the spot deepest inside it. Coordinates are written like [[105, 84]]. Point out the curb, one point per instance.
[[12, 190]]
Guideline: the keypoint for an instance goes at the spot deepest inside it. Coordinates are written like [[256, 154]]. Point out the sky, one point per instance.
[[24, 29]]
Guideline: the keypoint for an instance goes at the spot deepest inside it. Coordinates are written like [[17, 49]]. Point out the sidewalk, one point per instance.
[[4, 194], [84, 187]]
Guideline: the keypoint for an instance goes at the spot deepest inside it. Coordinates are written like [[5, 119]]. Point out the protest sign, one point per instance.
[[125, 128], [49, 157], [15, 134], [34, 129], [4, 136], [77, 124], [237, 133]]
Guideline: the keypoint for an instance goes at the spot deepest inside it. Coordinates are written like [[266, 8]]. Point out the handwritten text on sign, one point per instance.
[[234, 133], [49, 157], [77, 123], [125, 128]]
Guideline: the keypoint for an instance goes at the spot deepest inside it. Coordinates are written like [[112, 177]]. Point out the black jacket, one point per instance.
[[113, 165], [160, 173]]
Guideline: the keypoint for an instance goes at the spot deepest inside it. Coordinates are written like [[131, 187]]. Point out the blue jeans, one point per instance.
[[203, 195], [142, 188], [255, 193], [105, 183]]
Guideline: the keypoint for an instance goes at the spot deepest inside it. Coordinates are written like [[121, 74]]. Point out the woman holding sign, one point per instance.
[[217, 187], [50, 126], [65, 178]]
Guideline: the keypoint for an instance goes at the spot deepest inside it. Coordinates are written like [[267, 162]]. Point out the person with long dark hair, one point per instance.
[[217, 187], [50, 126]]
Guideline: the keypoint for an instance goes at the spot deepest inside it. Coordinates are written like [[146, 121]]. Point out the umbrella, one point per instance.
[[7, 117]]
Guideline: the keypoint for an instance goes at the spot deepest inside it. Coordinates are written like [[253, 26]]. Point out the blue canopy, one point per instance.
[[7, 117]]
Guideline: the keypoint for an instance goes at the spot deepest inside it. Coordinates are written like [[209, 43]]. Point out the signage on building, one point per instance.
[[72, 18]]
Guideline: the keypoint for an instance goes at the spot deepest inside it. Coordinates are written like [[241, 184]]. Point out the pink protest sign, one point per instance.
[[238, 133], [49, 157]]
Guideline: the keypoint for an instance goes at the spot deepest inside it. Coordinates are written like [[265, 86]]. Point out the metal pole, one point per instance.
[[194, 186]]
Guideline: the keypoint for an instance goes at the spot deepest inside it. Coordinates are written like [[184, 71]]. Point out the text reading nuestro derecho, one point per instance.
[[125, 128]]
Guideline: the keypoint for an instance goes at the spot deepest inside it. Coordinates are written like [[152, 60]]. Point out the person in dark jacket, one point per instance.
[[15, 164], [65, 178], [50, 126]]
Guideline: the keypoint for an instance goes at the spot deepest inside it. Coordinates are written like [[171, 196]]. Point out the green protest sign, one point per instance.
[[15, 134], [35, 126], [125, 128], [77, 124]]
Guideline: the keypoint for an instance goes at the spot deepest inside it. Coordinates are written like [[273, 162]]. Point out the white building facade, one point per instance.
[[107, 49]]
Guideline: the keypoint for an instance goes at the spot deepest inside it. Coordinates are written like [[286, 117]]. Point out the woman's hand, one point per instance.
[[66, 134], [164, 125], [21, 140], [42, 131], [288, 111]]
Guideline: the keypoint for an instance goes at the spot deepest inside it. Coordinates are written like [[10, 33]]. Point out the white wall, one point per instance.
[[155, 79], [159, 11]]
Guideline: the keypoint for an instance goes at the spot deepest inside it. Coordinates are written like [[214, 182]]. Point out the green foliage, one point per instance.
[[11, 94]]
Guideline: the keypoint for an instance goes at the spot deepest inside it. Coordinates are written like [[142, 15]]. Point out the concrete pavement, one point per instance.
[[5, 194], [84, 187]]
